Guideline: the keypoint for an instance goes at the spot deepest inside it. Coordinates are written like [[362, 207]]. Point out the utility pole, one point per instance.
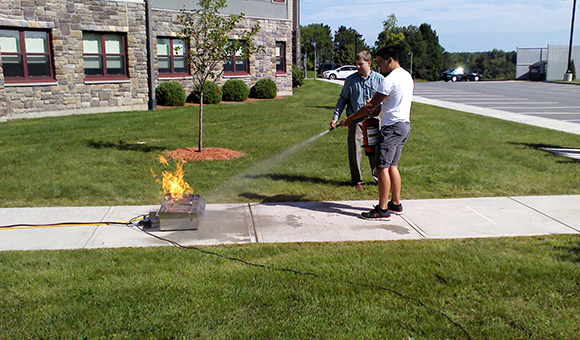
[[314, 44], [356, 39], [568, 76]]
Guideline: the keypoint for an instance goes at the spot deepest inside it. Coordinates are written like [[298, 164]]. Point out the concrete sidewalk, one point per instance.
[[298, 222]]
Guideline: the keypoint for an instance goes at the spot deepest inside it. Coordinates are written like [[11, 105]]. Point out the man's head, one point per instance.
[[388, 59], [363, 63]]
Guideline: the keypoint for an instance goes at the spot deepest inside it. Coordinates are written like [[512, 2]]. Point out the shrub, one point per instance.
[[264, 89], [235, 90], [212, 93], [170, 93], [297, 76]]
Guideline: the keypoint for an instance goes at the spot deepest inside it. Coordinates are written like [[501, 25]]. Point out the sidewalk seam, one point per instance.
[[419, 231], [544, 214], [84, 246], [253, 228]]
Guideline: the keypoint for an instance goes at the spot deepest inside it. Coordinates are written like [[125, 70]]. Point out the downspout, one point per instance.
[[152, 104]]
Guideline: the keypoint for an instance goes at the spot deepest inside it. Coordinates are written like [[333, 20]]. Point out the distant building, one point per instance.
[[84, 56], [553, 61]]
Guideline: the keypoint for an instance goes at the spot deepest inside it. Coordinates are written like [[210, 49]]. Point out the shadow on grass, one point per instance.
[[124, 146], [294, 201], [320, 107], [571, 253], [300, 179], [541, 147]]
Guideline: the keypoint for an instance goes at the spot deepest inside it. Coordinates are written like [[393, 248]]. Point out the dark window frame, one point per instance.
[[23, 54], [103, 54], [235, 72], [172, 57], [281, 57]]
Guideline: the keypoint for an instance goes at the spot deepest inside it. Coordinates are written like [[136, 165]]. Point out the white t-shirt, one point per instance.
[[398, 87]]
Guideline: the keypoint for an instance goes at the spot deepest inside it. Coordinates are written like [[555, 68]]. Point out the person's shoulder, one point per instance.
[[398, 73], [353, 77], [377, 75]]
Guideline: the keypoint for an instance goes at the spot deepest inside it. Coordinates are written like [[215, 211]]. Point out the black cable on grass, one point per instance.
[[298, 272]]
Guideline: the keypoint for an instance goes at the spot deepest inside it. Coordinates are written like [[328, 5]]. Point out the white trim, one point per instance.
[[30, 84], [174, 78], [93, 82], [237, 76]]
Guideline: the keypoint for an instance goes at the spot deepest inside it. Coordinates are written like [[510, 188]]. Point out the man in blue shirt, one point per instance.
[[358, 89]]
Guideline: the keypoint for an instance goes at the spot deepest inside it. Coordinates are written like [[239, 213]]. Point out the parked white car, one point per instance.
[[340, 73]]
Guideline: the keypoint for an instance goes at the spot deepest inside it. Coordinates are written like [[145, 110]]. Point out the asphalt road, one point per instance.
[[540, 99]]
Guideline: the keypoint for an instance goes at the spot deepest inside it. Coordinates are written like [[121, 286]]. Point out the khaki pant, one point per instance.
[[355, 153]]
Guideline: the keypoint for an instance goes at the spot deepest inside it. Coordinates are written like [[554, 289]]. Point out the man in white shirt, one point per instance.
[[395, 93]]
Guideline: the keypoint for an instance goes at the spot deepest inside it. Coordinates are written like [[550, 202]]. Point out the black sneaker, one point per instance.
[[395, 208], [377, 214]]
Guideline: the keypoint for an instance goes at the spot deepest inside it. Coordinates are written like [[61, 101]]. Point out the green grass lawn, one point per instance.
[[106, 159], [512, 288]]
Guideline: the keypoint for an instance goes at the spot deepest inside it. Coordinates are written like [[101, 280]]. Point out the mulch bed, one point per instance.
[[207, 154]]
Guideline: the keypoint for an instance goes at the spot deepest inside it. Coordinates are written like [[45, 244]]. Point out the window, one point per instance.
[[280, 57], [104, 56], [26, 55], [236, 64], [171, 57]]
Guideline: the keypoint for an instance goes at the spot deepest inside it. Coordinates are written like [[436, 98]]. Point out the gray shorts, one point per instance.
[[391, 141]]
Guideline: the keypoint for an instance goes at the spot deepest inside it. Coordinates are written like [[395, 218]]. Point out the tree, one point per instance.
[[347, 43], [392, 35], [209, 36], [316, 36], [494, 64], [423, 43], [420, 43]]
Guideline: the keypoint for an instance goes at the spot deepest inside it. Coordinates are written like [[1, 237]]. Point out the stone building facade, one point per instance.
[[74, 28]]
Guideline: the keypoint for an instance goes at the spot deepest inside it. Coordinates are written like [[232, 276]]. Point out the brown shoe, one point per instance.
[[359, 187]]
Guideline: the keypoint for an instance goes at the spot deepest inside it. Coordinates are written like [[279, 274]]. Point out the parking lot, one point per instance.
[[534, 99]]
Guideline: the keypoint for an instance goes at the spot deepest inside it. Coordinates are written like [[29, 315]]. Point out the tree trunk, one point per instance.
[[201, 121]]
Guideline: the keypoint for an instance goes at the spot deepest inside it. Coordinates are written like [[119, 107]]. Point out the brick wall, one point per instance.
[[69, 93], [262, 64]]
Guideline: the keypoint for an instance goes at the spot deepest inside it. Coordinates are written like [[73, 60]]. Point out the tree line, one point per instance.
[[419, 49]]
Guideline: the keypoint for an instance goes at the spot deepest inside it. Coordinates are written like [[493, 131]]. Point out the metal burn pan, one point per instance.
[[181, 214]]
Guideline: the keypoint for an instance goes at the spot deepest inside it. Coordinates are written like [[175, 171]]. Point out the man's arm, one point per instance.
[[341, 103], [371, 107]]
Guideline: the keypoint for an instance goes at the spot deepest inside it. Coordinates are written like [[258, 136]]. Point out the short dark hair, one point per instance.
[[388, 52]]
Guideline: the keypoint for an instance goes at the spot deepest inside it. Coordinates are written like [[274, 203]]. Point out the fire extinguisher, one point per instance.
[[370, 128]]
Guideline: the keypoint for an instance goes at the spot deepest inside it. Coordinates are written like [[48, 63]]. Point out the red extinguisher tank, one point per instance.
[[370, 128]]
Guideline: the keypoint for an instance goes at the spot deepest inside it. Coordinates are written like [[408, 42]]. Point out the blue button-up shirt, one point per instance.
[[356, 92]]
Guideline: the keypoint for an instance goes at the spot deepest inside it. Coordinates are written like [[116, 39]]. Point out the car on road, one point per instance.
[[327, 67], [458, 73], [340, 73]]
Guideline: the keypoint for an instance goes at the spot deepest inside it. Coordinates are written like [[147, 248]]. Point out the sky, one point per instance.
[[461, 25]]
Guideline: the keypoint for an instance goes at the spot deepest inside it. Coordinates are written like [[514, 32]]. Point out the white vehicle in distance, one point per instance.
[[340, 73]]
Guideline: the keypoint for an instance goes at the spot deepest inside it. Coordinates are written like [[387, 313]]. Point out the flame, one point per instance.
[[172, 182]]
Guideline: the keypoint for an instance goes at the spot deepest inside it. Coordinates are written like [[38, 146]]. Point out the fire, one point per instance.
[[172, 182]]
